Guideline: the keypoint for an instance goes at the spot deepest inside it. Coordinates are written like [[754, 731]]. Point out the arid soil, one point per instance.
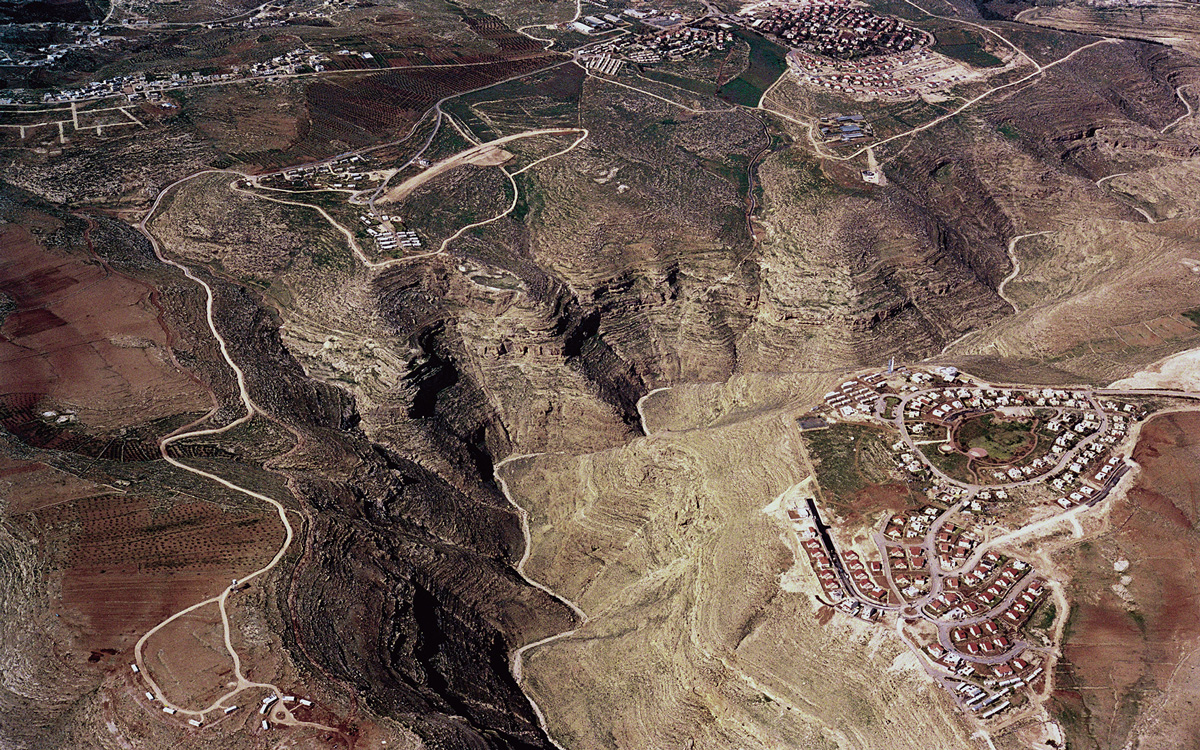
[[1129, 673], [111, 368], [667, 530], [623, 354]]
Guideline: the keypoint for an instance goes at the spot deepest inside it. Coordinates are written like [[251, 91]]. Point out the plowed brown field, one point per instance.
[[1129, 675], [86, 338]]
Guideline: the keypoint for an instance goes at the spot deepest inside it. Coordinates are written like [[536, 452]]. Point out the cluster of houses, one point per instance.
[[296, 61], [269, 15], [347, 172], [387, 236], [389, 239], [897, 76], [986, 653], [910, 570], [872, 585], [1095, 452], [350, 173], [846, 128], [277, 15], [984, 689], [930, 562], [912, 524], [856, 396], [836, 28], [1108, 473], [267, 703], [603, 63], [1078, 420], [953, 545], [982, 588], [819, 558], [944, 404], [1086, 479], [674, 43], [83, 37], [143, 86], [1022, 607], [829, 569], [990, 637], [981, 638]]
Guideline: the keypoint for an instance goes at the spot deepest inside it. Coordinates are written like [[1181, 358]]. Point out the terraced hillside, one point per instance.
[[502, 484]]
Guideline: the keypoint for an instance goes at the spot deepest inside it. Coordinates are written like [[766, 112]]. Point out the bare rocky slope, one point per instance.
[[404, 387]]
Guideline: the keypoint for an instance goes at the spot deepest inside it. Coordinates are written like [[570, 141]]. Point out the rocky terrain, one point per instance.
[[526, 464]]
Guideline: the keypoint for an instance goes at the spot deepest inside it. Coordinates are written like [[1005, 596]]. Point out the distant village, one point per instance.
[[149, 86], [831, 28], [831, 43], [896, 76], [835, 28], [84, 37], [144, 86], [658, 37]]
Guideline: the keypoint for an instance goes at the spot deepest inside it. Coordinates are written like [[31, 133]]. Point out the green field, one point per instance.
[[768, 61], [848, 457], [1009, 131], [470, 120], [704, 88], [967, 47], [953, 465], [1002, 440]]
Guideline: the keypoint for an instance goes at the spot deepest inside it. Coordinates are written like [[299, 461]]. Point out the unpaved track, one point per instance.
[[289, 534], [374, 264], [1186, 103], [242, 683], [518, 656], [981, 27], [1145, 214], [550, 42], [1016, 266], [476, 153]]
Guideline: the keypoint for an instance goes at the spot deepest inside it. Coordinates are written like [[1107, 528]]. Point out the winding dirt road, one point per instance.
[[483, 154], [281, 714]]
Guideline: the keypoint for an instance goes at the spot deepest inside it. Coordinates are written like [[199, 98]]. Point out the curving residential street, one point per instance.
[[977, 595]]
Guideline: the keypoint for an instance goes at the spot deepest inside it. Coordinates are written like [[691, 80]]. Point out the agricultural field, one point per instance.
[[128, 563], [80, 353], [766, 63], [966, 45], [541, 100]]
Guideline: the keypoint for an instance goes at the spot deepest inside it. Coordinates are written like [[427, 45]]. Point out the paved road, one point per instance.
[[927, 542]]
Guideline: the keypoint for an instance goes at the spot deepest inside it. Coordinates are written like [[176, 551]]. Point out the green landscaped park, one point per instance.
[[1004, 440]]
